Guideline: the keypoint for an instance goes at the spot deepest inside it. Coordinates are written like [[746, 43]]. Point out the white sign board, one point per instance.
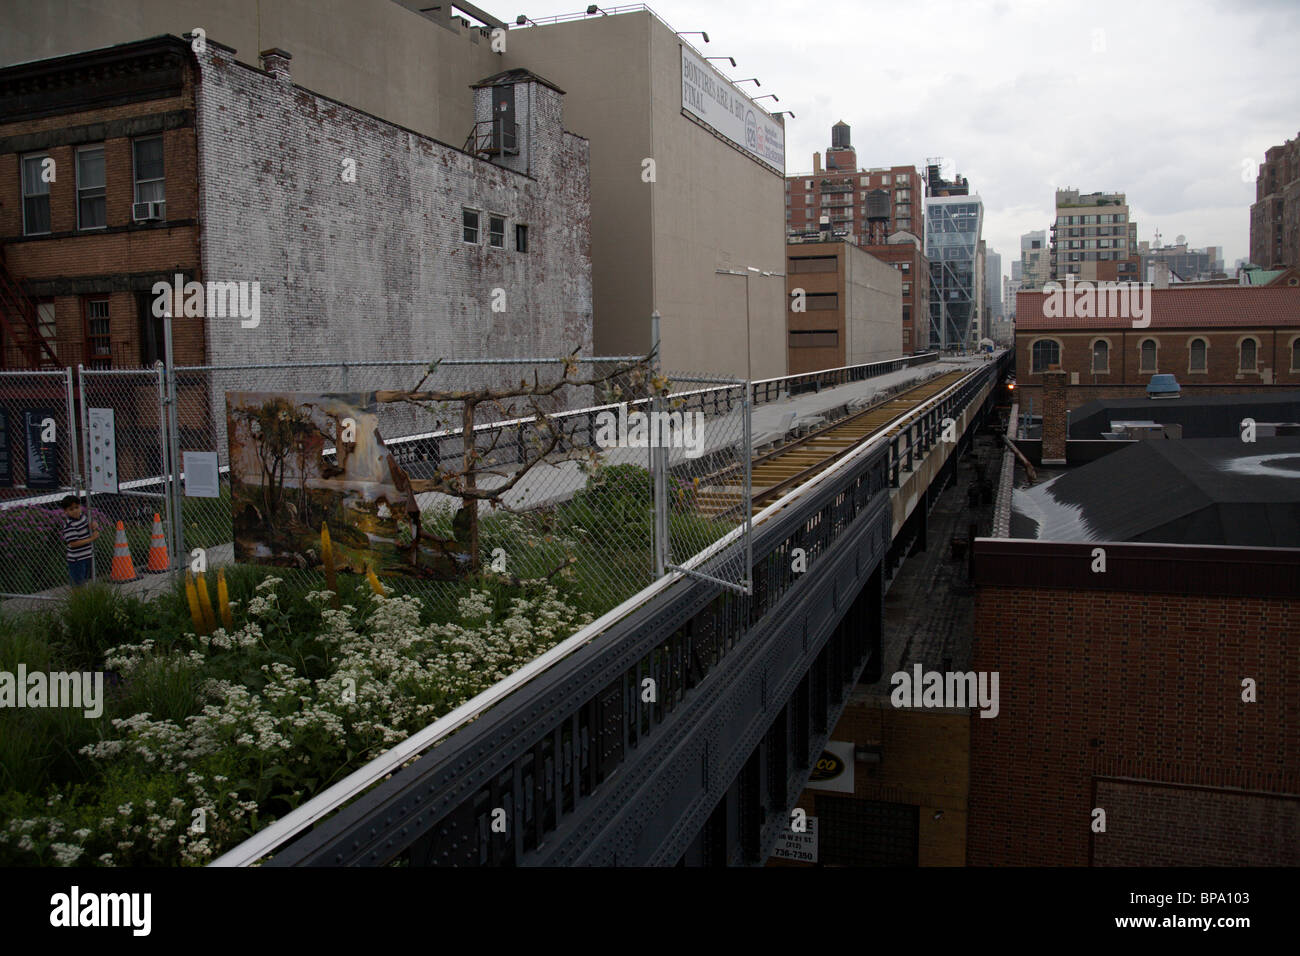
[[797, 846], [713, 99], [103, 451], [834, 768], [201, 474]]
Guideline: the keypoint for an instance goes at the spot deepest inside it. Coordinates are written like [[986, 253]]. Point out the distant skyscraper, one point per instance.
[[953, 228], [1275, 214], [993, 286], [1093, 237], [1035, 259]]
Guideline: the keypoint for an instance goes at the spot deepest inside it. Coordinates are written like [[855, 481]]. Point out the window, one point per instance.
[[902, 179], [151, 330], [884, 180], [521, 238], [149, 183], [497, 232], [817, 338], [92, 211], [906, 266], [822, 301], [48, 327], [807, 184], [902, 195], [1295, 355], [36, 196], [1046, 353], [1100, 356], [813, 264], [98, 343], [1196, 362], [1249, 347], [470, 219], [907, 288]]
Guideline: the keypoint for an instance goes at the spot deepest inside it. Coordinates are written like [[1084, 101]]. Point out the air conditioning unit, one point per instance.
[[148, 211]]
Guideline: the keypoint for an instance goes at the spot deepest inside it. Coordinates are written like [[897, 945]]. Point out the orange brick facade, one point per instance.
[[1131, 703], [71, 267]]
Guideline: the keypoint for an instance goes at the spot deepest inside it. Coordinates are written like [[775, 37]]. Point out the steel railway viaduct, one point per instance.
[[567, 764]]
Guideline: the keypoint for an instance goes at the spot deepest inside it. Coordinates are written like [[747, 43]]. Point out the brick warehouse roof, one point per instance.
[[1205, 307]]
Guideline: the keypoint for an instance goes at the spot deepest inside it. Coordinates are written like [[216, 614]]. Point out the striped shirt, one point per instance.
[[77, 530]]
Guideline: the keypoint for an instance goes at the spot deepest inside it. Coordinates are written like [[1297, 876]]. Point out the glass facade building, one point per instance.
[[953, 226]]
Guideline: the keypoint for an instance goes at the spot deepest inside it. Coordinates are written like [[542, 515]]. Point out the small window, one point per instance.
[[1046, 353], [521, 238], [92, 207], [470, 219], [49, 329], [151, 330], [817, 338], [149, 182], [1100, 357], [1295, 355], [1249, 348], [36, 196], [1148, 363], [98, 341], [1197, 360], [496, 232]]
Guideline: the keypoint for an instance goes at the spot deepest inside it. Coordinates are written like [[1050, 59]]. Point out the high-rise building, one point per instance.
[[1185, 265], [954, 223], [862, 206], [993, 287], [1035, 260], [1017, 270], [1093, 237], [1275, 214]]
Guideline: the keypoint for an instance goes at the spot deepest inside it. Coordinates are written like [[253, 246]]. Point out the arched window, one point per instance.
[[1197, 363], [1248, 350], [1100, 356], [1295, 356], [1148, 355], [1046, 354]]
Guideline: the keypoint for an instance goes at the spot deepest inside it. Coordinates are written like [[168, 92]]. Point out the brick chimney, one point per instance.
[[1161, 275], [276, 62], [817, 164], [1054, 384]]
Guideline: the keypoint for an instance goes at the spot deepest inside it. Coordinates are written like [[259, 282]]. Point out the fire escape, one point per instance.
[[21, 325]]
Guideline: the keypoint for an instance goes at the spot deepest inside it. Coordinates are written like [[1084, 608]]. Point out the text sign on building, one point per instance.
[[708, 96], [834, 768], [103, 451], [797, 846]]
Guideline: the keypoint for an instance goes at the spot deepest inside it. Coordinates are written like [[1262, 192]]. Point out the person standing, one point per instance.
[[79, 535]]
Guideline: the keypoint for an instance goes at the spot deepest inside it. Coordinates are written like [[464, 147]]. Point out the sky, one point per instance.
[[1172, 102]]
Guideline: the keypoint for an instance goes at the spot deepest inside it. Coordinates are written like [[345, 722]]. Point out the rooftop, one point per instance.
[[1212, 491], [1176, 308]]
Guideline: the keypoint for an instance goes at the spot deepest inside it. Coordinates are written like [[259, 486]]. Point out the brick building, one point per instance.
[[1275, 214], [865, 206], [903, 251], [365, 239], [1155, 686], [98, 200], [851, 306], [1231, 337]]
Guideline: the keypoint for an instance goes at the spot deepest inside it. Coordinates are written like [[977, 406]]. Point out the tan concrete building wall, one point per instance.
[[873, 308], [371, 54]]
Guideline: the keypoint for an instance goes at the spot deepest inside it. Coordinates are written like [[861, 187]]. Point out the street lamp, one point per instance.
[[731, 58], [749, 366], [689, 33], [766, 95], [750, 79]]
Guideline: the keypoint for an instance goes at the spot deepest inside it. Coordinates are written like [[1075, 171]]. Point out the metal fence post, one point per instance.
[[659, 464], [747, 453], [165, 466], [173, 440], [85, 435]]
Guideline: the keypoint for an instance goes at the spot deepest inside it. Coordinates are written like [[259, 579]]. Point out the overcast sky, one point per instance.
[[1178, 96]]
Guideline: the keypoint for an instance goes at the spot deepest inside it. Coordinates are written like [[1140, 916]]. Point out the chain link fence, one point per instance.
[[38, 468], [600, 474]]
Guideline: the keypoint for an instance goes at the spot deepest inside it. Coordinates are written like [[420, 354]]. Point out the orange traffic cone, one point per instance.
[[158, 560], [122, 569]]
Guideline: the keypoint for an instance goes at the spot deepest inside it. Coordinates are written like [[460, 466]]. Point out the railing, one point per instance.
[[774, 389], [538, 745], [493, 137]]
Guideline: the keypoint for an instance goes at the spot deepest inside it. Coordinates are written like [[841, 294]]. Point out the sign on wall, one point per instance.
[[41, 428], [103, 451], [797, 846], [834, 768], [710, 97]]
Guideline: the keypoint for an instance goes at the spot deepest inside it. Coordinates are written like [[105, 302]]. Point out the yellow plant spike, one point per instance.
[[374, 582], [205, 605], [223, 599], [192, 596]]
